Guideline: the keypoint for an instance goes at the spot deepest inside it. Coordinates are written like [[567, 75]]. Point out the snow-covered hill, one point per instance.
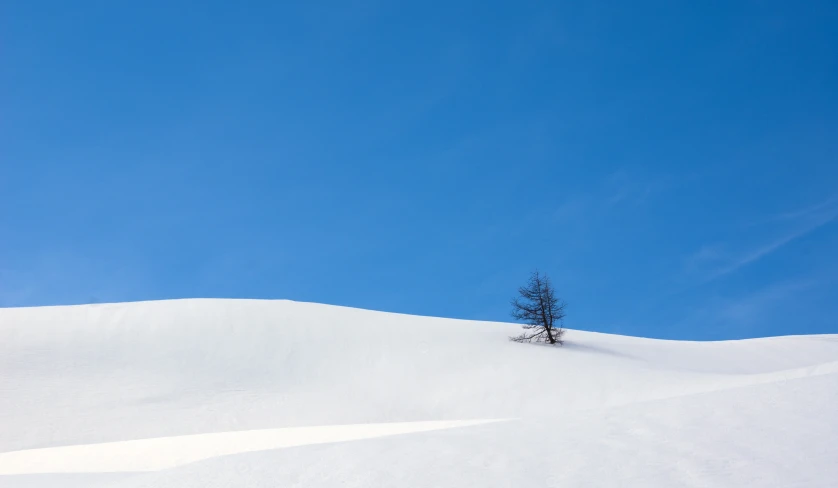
[[245, 393]]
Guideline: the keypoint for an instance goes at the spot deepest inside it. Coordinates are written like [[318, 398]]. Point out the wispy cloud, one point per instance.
[[625, 188], [747, 314], [824, 208], [756, 306], [713, 262], [620, 189]]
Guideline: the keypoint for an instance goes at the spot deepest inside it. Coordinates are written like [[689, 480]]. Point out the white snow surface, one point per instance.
[[250, 393]]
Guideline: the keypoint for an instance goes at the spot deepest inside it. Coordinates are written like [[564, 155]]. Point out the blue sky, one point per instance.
[[673, 166]]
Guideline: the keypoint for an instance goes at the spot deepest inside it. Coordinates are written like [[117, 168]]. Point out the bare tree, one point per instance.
[[540, 310]]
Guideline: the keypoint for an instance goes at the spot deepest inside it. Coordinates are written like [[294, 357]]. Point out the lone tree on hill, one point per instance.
[[541, 311]]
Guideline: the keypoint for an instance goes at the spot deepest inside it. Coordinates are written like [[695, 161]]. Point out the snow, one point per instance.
[[169, 452], [218, 393]]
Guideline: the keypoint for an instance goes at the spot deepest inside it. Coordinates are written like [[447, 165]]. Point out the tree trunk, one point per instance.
[[544, 320]]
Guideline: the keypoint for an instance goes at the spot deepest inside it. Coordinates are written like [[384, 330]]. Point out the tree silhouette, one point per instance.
[[540, 310]]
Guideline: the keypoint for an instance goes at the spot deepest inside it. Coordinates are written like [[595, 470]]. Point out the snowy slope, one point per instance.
[[276, 393]]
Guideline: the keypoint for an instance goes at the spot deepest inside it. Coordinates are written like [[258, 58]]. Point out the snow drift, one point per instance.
[[229, 388]]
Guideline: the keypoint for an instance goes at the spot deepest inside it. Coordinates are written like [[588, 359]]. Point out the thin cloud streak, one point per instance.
[[755, 306], [620, 188], [815, 216], [829, 206]]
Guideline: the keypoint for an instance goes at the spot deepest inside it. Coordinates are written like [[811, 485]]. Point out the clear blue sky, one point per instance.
[[673, 166]]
